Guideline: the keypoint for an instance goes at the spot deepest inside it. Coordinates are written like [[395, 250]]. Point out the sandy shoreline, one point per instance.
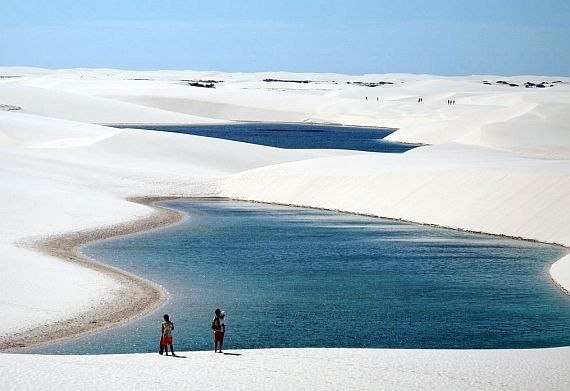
[[135, 298], [497, 162]]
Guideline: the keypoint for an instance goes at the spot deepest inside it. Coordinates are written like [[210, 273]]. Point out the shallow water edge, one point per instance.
[[140, 296], [135, 297]]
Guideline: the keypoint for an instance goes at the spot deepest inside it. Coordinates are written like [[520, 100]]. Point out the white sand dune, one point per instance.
[[72, 106], [295, 369], [498, 162], [507, 194]]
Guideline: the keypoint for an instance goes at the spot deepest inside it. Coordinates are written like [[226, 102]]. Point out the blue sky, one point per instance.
[[505, 37]]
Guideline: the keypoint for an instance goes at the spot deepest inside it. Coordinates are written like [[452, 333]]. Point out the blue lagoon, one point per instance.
[[295, 277], [294, 135]]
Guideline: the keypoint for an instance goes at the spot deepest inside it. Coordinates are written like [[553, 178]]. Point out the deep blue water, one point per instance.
[[294, 277], [295, 136]]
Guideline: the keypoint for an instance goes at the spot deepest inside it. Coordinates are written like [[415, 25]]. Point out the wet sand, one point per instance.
[[134, 297]]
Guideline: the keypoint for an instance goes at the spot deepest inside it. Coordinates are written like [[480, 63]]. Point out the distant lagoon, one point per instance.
[[293, 135], [296, 277]]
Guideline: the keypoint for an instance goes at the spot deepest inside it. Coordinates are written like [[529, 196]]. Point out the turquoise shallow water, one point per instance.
[[294, 277]]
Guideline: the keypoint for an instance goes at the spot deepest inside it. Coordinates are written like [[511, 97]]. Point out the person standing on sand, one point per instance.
[[223, 322], [166, 337], [218, 327]]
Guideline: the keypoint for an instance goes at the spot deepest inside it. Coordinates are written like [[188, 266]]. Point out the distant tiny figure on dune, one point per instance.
[[420, 100], [219, 329], [166, 336]]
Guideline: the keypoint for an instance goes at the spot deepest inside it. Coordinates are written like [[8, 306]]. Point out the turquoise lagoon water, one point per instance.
[[294, 277]]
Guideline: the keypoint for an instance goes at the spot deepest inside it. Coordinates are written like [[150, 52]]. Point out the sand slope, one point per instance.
[[498, 162]]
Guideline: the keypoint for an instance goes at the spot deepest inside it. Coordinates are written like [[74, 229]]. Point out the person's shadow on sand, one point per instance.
[[232, 354]]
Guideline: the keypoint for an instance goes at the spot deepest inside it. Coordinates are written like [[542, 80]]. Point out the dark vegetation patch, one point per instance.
[[369, 84], [9, 107], [286, 81], [543, 84], [356, 83], [528, 84], [203, 83], [507, 83]]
